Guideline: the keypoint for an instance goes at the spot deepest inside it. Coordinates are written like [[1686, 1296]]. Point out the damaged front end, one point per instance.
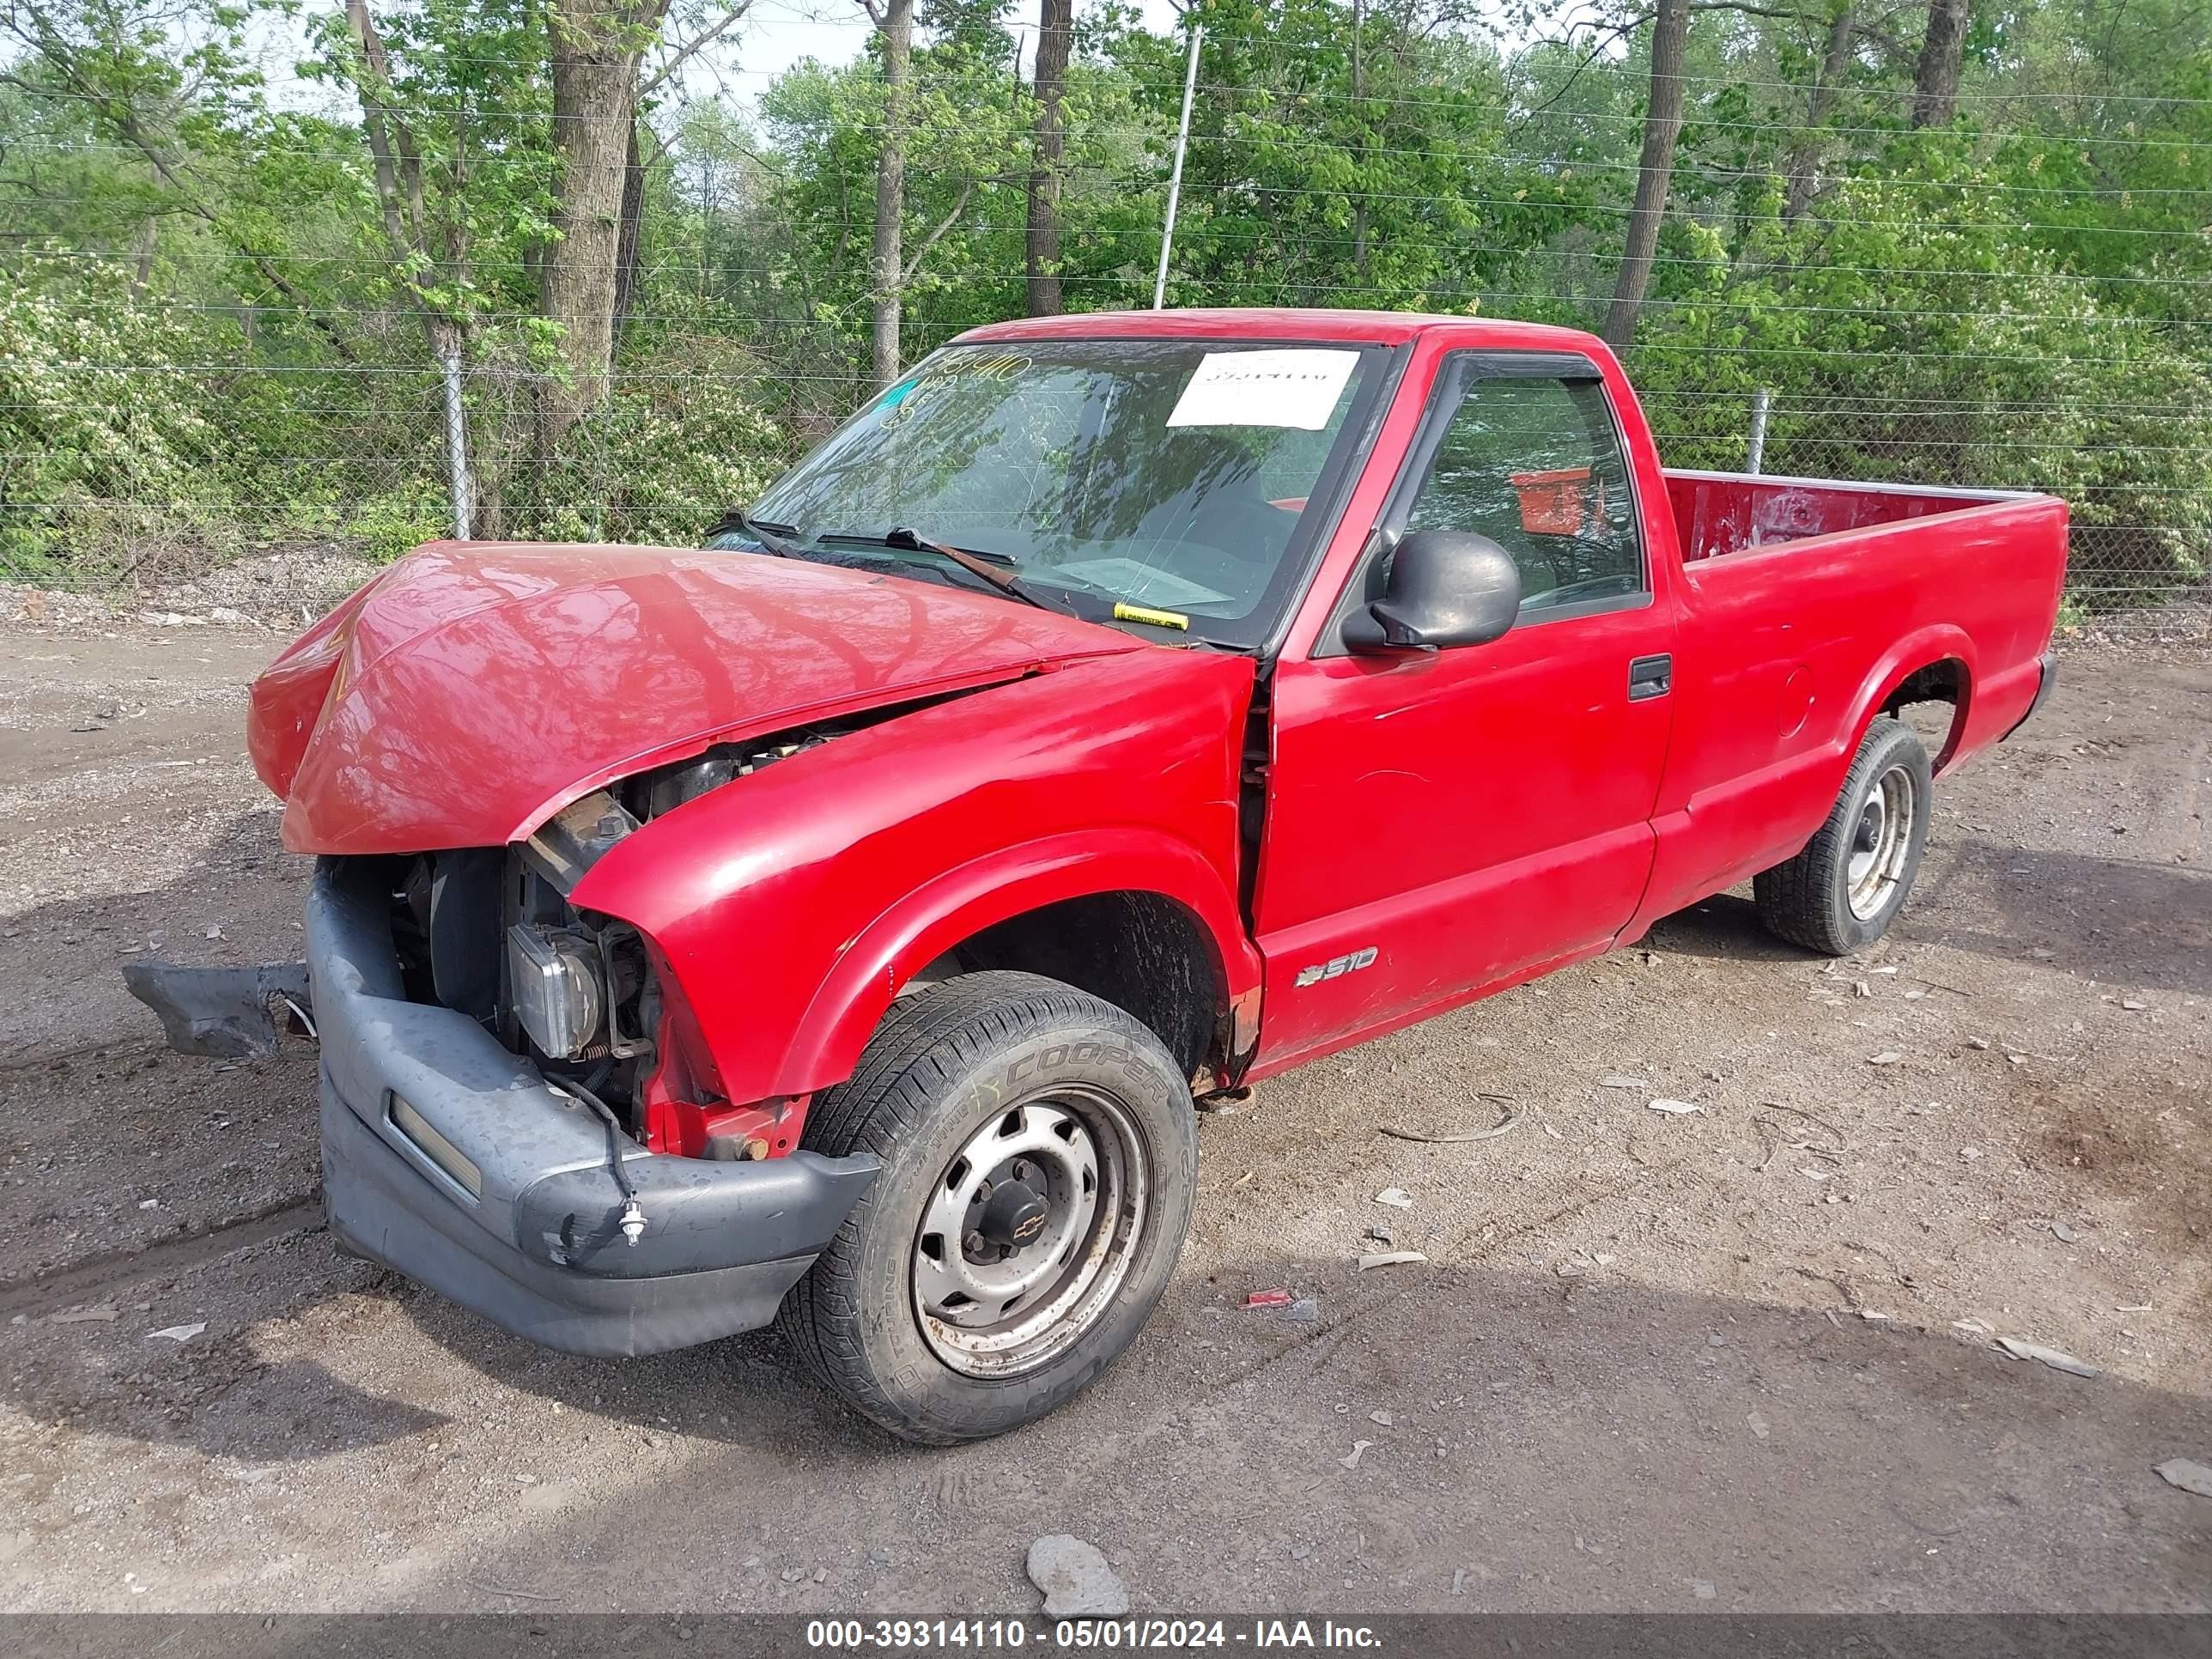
[[519, 1107], [586, 994], [514, 1111], [510, 1183]]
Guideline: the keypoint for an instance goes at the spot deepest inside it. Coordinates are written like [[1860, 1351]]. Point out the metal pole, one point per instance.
[[1756, 452], [1175, 178], [457, 440]]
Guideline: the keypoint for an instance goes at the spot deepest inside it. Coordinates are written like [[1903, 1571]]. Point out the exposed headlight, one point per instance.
[[558, 994]]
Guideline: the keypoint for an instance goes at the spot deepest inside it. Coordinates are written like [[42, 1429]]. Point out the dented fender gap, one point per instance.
[[1253, 771]]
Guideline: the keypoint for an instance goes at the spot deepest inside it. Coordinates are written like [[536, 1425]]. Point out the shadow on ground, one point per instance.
[[2117, 921], [1537, 1443]]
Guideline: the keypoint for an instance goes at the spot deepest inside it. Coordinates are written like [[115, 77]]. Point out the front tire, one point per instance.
[[1842, 892], [1039, 1157]]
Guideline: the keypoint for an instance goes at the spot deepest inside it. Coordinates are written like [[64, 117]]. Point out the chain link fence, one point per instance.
[[177, 440], [2138, 551]]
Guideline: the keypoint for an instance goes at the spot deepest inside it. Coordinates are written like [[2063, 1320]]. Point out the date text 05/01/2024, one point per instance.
[[924, 1635]]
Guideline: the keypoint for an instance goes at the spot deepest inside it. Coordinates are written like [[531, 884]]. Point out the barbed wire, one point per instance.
[[331, 79], [729, 371], [1692, 120]]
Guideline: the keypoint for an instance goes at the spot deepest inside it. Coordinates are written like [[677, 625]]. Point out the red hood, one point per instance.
[[477, 688]]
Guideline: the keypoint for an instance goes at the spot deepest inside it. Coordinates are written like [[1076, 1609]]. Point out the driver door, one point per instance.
[[1443, 823]]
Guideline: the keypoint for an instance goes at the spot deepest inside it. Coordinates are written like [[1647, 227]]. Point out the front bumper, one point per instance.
[[537, 1247]]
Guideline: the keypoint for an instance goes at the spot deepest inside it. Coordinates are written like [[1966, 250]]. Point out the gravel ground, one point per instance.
[[1735, 1359]]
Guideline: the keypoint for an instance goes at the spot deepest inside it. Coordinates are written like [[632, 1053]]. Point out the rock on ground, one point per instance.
[[2189, 1477], [1076, 1580]]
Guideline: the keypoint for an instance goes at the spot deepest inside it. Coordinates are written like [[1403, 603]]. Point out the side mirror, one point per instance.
[[1447, 587]]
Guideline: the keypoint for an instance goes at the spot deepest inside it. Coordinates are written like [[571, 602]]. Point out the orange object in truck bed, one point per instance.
[[1558, 503]]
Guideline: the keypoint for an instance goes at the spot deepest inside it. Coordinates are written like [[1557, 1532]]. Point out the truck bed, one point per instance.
[[1806, 604], [1721, 512]]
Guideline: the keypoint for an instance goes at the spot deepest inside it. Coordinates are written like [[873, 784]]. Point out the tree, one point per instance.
[[1936, 82], [1041, 248], [437, 275], [595, 48], [1805, 154], [229, 300], [110, 60], [451, 118], [630, 235], [1655, 170], [894, 21]]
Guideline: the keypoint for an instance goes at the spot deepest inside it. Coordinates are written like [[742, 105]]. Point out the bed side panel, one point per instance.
[[1785, 652]]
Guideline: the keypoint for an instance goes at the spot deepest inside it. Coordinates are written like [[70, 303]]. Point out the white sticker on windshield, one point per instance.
[[1297, 388]]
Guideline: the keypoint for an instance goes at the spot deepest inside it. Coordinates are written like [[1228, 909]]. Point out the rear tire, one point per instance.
[[1842, 892], [945, 1317]]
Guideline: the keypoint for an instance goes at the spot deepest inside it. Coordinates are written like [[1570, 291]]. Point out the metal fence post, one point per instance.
[[1175, 178], [456, 442], [1755, 452]]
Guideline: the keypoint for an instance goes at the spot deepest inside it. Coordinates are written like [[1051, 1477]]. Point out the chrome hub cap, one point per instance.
[[1881, 841], [1030, 1232]]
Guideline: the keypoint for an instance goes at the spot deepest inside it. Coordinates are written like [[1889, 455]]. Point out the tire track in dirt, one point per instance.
[[82, 1280]]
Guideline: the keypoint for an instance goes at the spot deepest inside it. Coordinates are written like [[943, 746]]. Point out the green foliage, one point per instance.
[[206, 339], [468, 82], [665, 455], [394, 523], [91, 425]]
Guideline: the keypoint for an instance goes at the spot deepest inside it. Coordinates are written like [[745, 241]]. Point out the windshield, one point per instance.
[[1170, 475]]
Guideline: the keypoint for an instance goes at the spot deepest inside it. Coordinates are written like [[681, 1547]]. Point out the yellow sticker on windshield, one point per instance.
[[1124, 612]]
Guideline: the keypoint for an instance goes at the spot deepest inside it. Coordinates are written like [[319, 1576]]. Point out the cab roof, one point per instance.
[[1312, 324]]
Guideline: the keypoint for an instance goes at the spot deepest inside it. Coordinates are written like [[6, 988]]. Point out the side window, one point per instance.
[[1537, 466]]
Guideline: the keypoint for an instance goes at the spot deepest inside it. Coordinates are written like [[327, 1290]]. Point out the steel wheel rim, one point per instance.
[[1881, 840], [1012, 1305]]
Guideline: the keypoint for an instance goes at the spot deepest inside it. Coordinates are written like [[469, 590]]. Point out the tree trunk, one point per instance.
[[629, 244], [885, 264], [1935, 83], [1805, 157], [596, 45], [143, 243], [1040, 256], [1662, 124]]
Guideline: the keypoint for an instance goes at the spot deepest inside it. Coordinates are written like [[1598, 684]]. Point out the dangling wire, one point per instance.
[[633, 1213]]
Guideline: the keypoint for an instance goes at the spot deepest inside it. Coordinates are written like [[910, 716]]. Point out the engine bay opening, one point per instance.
[[487, 933], [491, 933]]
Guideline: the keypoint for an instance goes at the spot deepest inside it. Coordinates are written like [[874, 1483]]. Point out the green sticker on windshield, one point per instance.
[[897, 394]]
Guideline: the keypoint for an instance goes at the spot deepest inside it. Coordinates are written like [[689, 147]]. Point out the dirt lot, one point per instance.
[[1702, 1362]]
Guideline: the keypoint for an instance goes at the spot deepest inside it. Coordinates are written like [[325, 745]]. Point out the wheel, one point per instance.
[[1040, 1157], [1841, 893]]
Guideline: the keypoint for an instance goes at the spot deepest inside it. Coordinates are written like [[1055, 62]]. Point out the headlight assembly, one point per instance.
[[557, 991]]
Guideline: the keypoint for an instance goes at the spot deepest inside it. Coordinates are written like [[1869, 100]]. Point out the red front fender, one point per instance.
[[791, 905], [995, 888]]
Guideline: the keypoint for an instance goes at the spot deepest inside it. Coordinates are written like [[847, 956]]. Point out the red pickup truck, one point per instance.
[[834, 925]]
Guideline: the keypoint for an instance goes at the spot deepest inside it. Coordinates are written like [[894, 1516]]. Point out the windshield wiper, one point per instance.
[[770, 536], [996, 569]]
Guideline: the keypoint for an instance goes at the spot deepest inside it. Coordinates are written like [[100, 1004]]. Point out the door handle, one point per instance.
[[1651, 677]]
